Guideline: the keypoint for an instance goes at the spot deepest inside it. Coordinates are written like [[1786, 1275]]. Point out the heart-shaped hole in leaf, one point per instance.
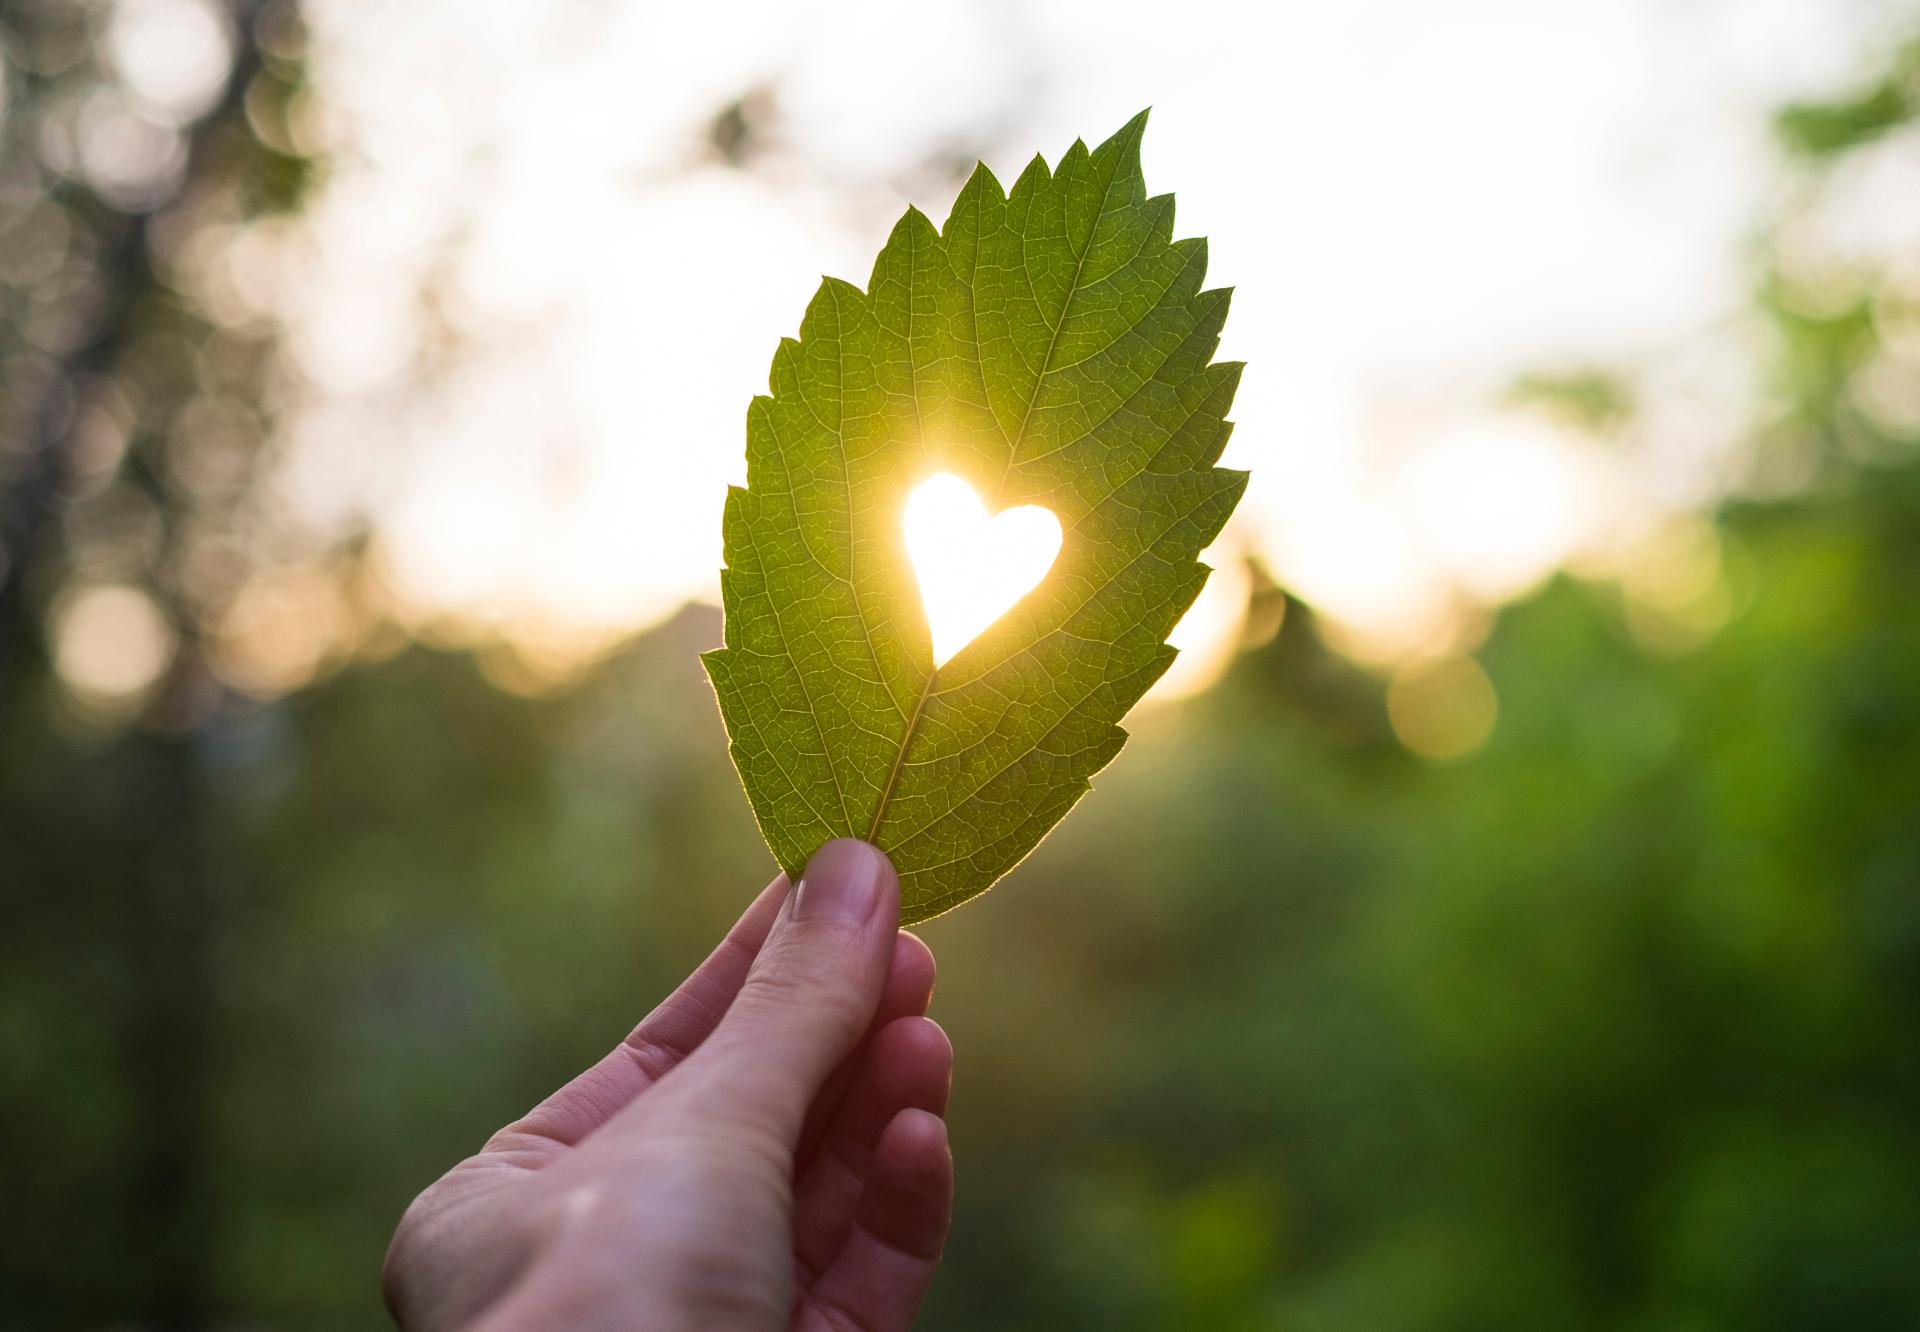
[[972, 565]]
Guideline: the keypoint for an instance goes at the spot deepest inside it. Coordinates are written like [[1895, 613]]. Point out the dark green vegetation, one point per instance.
[[1614, 1020], [1611, 1026]]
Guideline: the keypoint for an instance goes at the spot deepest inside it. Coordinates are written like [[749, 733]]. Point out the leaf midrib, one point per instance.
[[1053, 337], [1013, 449], [900, 756]]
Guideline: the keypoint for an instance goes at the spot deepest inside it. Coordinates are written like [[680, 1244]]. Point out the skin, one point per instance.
[[766, 1150]]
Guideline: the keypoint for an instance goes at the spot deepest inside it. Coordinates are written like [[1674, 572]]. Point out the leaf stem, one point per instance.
[[900, 759]]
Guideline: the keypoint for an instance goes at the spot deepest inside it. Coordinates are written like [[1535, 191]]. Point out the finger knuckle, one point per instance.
[[818, 988]]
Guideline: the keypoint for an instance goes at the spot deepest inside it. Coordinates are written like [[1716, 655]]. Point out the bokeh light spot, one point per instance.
[[280, 631], [1443, 710], [111, 642], [173, 54]]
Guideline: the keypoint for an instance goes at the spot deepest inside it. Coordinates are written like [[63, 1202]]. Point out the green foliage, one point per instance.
[[1052, 346], [1609, 1027], [1829, 128], [1590, 398]]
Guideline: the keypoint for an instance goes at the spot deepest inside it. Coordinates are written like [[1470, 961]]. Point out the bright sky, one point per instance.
[[532, 314]]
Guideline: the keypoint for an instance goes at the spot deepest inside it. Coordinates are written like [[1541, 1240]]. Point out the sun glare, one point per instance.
[[973, 566]]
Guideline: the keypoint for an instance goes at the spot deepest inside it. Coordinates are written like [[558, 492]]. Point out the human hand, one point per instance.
[[764, 1151]]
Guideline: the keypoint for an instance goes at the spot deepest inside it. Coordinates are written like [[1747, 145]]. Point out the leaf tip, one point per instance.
[[1131, 132], [982, 177], [1036, 171]]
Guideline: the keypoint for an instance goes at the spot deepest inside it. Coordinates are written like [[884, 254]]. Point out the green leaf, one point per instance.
[[1051, 345]]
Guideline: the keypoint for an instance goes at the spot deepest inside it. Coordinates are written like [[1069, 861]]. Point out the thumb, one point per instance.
[[806, 1002]]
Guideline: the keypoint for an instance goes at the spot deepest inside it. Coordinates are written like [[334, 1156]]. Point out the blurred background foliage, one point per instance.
[[1601, 1014]]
